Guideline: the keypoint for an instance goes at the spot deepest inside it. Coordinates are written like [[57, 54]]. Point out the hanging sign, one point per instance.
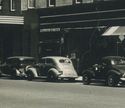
[[121, 37]]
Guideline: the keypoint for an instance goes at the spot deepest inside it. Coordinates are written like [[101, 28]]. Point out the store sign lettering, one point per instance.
[[50, 30]]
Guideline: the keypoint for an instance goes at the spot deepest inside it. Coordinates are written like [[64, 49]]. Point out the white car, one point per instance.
[[56, 67]]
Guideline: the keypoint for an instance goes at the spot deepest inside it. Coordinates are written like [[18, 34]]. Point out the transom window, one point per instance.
[[51, 3], [12, 5], [31, 3]]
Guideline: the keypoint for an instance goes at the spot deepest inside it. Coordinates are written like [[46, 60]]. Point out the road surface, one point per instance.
[[63, 94]]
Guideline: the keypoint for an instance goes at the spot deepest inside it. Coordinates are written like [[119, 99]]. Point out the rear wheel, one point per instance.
[[112, 80], [86, 79], [51, 77]]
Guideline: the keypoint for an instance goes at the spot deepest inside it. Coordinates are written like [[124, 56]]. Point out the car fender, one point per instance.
[[17, 72], [89, 72], [55, 71], [114, 72], [33, 70]]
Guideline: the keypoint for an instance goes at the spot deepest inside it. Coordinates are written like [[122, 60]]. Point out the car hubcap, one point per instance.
[[85, 78], [110, 80]]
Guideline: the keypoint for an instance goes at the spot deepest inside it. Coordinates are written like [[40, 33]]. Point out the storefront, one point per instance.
[[11, 31], [76, 31]]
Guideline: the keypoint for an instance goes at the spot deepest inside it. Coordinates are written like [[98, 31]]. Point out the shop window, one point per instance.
[[51, 3], [31, 3], [12, 5]]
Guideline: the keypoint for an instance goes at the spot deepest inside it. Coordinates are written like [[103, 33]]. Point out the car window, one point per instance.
[[106, 62], [67, 61], [118, 62], [12, 61], [28, 61], [49, 61], [42, 61]]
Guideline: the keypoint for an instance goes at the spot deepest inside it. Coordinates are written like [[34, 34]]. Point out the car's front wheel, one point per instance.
[[112, 80], [30, 76], [86, 79]]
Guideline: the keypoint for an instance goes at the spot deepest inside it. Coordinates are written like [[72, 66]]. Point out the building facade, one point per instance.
[[12, 40], [74, 28]]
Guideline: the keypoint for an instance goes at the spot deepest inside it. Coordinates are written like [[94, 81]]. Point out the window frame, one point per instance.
[[31, 7], [78, 2], [12, 7], [51, 5]]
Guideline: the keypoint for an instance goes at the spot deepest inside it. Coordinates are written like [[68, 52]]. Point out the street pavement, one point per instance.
[[42, 94]]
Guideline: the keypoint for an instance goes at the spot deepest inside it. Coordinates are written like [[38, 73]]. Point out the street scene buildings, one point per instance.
[[83, 30], [62, 53]]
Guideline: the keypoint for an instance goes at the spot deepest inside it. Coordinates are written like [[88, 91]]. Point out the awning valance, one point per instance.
[[18, 20], [115, 31]]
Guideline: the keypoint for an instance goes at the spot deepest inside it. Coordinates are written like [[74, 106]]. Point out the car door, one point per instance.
[[7, 67], [101, 70], [49, 64], [41, 65]]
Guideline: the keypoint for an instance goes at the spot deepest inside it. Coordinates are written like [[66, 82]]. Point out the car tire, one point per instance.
[[30, 76], [112, 80], [51, 77], [86, 79], [0, 74]]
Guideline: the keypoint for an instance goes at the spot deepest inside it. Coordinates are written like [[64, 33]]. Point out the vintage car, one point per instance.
[[110, 69], [18, 66], [56, 67]]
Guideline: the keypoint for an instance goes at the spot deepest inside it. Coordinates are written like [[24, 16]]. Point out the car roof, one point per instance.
[[20, 57], [113, 57], [54, 57]]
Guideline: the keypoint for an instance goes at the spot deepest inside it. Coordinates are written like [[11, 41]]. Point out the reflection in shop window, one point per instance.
[[31, 3], [12, 5]]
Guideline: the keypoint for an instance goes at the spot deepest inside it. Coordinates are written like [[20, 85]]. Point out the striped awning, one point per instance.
[[115, 31], [12, 20]]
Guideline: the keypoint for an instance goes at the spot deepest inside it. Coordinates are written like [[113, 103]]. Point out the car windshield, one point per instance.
[[118, 62], [66, 61]]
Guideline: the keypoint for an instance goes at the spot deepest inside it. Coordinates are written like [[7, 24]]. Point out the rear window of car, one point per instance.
[[64, 61]]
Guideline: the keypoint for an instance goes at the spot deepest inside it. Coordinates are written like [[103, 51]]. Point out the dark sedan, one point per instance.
[[18, 66], [111, 69]]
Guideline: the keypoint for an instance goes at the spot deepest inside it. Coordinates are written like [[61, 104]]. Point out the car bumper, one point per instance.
[[122, 79], [67, 76]]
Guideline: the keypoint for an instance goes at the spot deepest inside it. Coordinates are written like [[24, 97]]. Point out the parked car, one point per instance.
[[18, 66], [56, 67], [111, 69]]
